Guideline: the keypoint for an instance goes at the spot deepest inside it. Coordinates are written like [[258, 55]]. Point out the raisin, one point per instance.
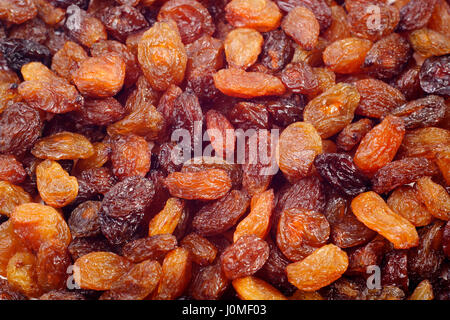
[[286, 109], [84, 221], [435, 75], [132, 70], [202, 250], [52, 262], [379, 146], [83, 27], [63, 145], [440, 17], [332, 110], [320, 8], [101, 111], [22, 275], [162, 55], [429, 43], [360, 258], [55, 186], [36, 224], [167, 220], [300, 232], [136, 284], [209, 283], [277, 50], [422, 112], [443, 162], [242, 47], [206, 185], [10, 244], [130, 156], [300, 78], [377, 98], [45, 90], [19, 52], [371, 210], [425, 260], [339, 27], [408, 83], [176, 274], [322, 267], [11, 170], [17, 11], [415, 14], [232, 207], [51, 14], [404, 201], [68, 59], [221, 133], [249, 115], [246, 256], [435, 198], [122, 20], [424, 142], [360, 18], [446, 240], [388, 57], [192, 18], [352, 134], [112, 68], [34, 29], [302, 26], [258, 220], [123, 208], [238, 83], [262, 15], [252, 288], [298, 145], [79, 247], [99, 270], [401, 172], [62, 295], [11, 196], [395, 270], [347, 55], [340, 171], [150, 248], [423, 291]]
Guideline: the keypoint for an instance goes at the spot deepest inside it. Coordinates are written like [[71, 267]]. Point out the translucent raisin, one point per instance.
[[320, 8], [242, 47], [262, 15], [252, 288], [346, 55], [300, 78], [202, 250], [82, 26], [301, 24], [435, 198], [352, 134], [63, 145], [52, 262]]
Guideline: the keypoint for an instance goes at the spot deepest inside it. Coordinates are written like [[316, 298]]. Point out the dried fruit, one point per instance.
[[202, 250], [205, 185], [101, 76], [11, 170], [99, 270], [340, 171], [434, 75], [176, 274], [130, 156], [300, 78], [298, 145], [423, 291], [21, 274], [36, 224], [52, 263], [332, 110], [55, 186], [379, 146], [435, 198], [209, 283], [429, 43], [404, 201], [68, 59], [353, 133], [238, 83], [192, 18], [19, 52], [401, 172], [300, 232], [136, 284], [320, 8], [302, 26], [11, 196], [17, 11], [84, 221], [346, 55], [262, 15], [63, 145], [167, 220], [415, 14], [377, 98], [371, 210], [162, 55], [424, 142], [242, 47], [277, 50], [322, 267], [257, 222], [252, 288], [85, 28], [243, 258]]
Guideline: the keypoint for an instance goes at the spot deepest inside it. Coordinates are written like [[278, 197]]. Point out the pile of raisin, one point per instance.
[[324, 135]]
